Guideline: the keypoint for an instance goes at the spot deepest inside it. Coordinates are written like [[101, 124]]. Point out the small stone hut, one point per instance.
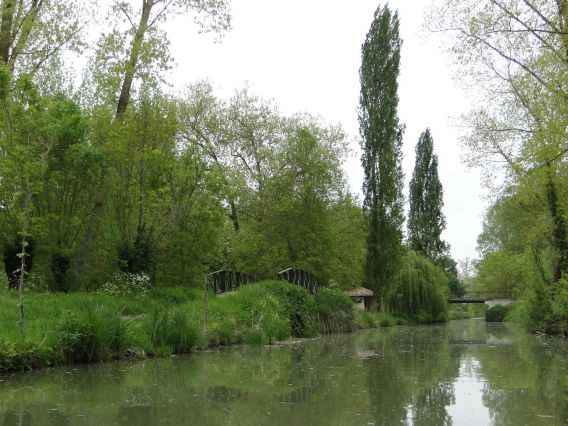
[[363, 298]]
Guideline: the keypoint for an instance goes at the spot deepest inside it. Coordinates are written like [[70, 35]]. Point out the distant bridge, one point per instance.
[[490, 298]]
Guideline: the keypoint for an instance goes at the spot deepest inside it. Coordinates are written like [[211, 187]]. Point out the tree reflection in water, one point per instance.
[[407, 375]]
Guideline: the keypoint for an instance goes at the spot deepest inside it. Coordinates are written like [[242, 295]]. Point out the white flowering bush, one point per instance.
[[36, 283], [127, 284]]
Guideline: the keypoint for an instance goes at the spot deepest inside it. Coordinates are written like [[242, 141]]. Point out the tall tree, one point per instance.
[[516, 51], [33, 32], [210, 15], [425, 219], [382, 142]]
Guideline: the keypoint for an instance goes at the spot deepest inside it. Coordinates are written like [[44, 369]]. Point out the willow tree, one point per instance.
[[381, 143], [425, 219]]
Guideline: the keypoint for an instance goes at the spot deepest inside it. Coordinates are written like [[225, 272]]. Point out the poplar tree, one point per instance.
[[425, 219], [381, 144]]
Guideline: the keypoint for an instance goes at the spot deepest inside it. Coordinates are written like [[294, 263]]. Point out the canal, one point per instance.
[[464, 373]]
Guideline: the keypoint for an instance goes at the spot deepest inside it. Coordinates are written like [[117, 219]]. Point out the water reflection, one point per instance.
[[301, 395], [465, 371]]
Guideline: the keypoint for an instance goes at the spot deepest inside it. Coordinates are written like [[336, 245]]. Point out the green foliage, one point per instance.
[[175, 295], [558, 323], [382, 150], [91, 334], [538, 308], [426, 220], [419, 291], [297, 305], [171, 330], [465, 311], [366, 319], [334, 311], [89, 327], [496, 313]]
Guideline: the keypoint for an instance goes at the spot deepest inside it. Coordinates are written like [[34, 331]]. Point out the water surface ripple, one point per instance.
[[462, 373]]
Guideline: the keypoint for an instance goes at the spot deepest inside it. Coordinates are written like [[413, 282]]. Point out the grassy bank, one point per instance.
[[94, 327]]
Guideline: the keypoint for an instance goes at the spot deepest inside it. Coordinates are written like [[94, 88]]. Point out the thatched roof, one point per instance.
[[360, 292]]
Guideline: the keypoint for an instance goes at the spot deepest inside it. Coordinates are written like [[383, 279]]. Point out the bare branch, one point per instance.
[[541, 16], [123, 10]]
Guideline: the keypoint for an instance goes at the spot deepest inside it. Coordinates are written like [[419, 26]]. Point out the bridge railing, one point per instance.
[[226, 280], [300, 277], [487, 295]]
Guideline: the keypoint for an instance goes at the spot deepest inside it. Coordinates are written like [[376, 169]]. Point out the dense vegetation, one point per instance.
[[517, 53], [88, 327], [121, 175], [118, 195]]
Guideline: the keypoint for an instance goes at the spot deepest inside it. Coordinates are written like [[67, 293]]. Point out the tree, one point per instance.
[[381, 142], [425, 219], [147, 45], [33, 32], [516, 51], [419, 290]]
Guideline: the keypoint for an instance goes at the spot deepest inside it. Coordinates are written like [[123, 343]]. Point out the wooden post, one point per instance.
[[205, 307]]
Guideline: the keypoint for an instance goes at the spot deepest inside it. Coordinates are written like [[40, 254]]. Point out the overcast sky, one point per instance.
[[305, 54]]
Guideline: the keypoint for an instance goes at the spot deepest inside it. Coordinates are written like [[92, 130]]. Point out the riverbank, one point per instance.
[[96, 327], [436, 374]]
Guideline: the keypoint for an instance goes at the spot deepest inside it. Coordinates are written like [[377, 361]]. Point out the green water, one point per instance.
[[465, 372]]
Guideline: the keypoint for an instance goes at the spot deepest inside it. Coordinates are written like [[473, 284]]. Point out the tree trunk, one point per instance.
[[23, 255], [563, 24], [234, 215], [132, 63], [6, 30], [559, 230]]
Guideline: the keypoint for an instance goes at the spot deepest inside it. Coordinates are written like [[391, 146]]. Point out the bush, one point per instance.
[[276, 330], [496, 313], [92, 334], [254, 337], [538, 307], [127, 284], [334, 311], [366, 319], [171, 330], [175, 295], [283, 300], [557, 323]]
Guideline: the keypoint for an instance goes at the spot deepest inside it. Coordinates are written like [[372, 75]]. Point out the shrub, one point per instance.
[[14, 356], [276, 330], [127, 284], [172, 329], [297, 305], [496, 313], [92, 334], [538, 308], [175, 295], [254, 337], [334, 311], [367, 319], [558, 321]]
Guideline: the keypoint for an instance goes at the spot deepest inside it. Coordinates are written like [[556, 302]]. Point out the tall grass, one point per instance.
[[93, 327], [92, 334], [171, 331]]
